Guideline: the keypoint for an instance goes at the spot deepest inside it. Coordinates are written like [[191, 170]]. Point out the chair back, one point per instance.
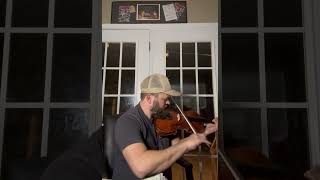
[[109, 122]]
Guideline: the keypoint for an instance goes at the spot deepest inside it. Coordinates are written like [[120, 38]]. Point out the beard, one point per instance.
[[156, 107]]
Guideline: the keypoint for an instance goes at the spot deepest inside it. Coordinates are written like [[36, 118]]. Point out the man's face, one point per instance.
[[160, 102]]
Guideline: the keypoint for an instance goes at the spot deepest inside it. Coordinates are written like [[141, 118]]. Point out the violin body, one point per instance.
[[174, 122]]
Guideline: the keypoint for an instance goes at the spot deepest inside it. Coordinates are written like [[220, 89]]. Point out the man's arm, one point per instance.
[[145, 162]]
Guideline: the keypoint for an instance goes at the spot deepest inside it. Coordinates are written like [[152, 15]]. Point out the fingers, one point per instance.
[[215, 121], [194, 140], [211, 127], [202, 138], [207, 143]]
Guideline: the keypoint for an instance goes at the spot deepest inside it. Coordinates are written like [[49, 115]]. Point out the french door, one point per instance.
[[125, 64], [186, 54]]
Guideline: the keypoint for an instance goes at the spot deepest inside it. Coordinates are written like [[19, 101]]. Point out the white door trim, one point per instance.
[[213, 27]]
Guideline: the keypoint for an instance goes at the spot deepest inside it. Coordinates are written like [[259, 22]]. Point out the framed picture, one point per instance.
[[148, 12]]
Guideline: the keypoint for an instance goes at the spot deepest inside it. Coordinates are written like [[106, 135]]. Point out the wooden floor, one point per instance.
[[204, 167]]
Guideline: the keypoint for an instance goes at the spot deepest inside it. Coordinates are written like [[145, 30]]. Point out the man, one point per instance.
[[138, 153]]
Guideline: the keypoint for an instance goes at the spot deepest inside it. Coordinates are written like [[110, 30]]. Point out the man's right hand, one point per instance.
[[194, 140]]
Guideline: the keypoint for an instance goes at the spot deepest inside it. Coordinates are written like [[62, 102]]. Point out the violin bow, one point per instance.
[[190, 125], [213, 147]]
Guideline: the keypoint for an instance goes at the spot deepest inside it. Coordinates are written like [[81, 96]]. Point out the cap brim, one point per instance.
[[173, 93]]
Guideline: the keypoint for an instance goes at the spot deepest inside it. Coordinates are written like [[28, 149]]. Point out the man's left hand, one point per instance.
[[211, 127]]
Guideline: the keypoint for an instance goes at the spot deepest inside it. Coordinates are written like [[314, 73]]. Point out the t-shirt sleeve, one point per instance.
[[127, 131]]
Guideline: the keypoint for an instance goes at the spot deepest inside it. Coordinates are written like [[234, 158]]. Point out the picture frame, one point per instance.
[[127, 12], [148, 12]]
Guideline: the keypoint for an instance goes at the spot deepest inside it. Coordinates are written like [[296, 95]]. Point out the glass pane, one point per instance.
[[73, 13], [204, 54], [129, 55], [205, 81], [1, 54], [27, 66], [27, 13], [71, 67], [206, 107], [285, 70], [173, 55], [188, 55], [2, 12], [111, 82], [174, 79], [126, 103], [110, 106], [66, 127], [240, 67], [189, 81], [22, 141], [242, 129], [113, 55], [274, 15], [103, 51], [242, 142], [189, 104], [127, 82], [235, 13], [288, 141]]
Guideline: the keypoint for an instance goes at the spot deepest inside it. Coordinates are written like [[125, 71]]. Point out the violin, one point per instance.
[[170, 123], [174, 121]]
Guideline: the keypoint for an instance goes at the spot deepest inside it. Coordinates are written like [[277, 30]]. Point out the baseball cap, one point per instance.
[[158, 83]]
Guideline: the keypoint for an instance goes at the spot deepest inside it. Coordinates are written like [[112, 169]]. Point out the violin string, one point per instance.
[[190, 125]]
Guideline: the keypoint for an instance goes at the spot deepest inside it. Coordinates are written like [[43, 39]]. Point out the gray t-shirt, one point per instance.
[[132, 127]]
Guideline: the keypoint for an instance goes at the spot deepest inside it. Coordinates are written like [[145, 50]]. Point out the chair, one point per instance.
[[109, 122], [313, 173]]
